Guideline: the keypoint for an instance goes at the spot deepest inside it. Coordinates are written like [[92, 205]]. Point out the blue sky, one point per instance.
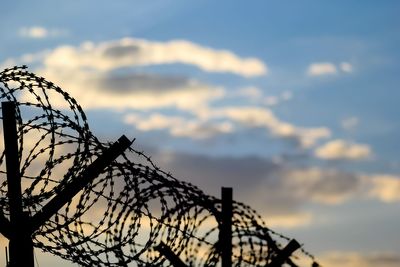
[[219, 90]]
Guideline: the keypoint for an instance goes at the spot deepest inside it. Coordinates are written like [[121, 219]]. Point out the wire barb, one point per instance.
[[120, 217]]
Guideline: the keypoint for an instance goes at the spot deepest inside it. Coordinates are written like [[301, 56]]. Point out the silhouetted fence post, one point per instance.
[[21, 225], [225, 231], [20, 246]]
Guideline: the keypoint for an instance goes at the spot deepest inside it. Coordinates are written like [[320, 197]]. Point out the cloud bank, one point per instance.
[[130, 52], [92, 73], [277, 190]]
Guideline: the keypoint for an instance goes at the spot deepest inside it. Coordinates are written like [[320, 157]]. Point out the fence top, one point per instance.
[[132, 207]]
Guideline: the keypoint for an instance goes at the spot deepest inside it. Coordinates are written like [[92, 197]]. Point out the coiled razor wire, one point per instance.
[[124, 214]]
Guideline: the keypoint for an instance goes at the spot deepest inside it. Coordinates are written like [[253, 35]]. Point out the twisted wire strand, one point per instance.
[[133, 206]]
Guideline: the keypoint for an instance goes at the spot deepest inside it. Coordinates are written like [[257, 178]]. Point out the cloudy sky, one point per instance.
[[294, 104]]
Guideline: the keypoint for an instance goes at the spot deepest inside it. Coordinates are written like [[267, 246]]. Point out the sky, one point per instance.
[[294, 104]]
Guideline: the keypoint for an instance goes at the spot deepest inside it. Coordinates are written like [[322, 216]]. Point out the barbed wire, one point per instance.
[[121, 217]]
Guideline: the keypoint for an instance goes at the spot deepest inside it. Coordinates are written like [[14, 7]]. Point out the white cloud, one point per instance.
[[293, 220], [286, 95], [275, 100], [262, 117], [341, 149], [350, 123], [256, 96], [138, 52], [321, 68], [178, 126], [346, 67], [328, 68], [385, 187], [153, 122], [33, 32], [271, 100], [39, 32], [207, 123], [250, 92]]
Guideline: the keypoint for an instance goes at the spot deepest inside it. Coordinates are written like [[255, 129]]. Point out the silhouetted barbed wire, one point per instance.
[[121, 217]]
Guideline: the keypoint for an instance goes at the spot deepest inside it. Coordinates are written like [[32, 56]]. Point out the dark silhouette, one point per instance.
[[100, 204]]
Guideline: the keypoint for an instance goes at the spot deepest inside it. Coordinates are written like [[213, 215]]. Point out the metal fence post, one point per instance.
[[226, 227]]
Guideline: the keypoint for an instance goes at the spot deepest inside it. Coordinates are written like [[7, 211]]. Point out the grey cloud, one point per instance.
[[121, 51], [322, 185], [134, 82], [123, 90], [272, 188], [211, 173], [334, 182], [385, 258]]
